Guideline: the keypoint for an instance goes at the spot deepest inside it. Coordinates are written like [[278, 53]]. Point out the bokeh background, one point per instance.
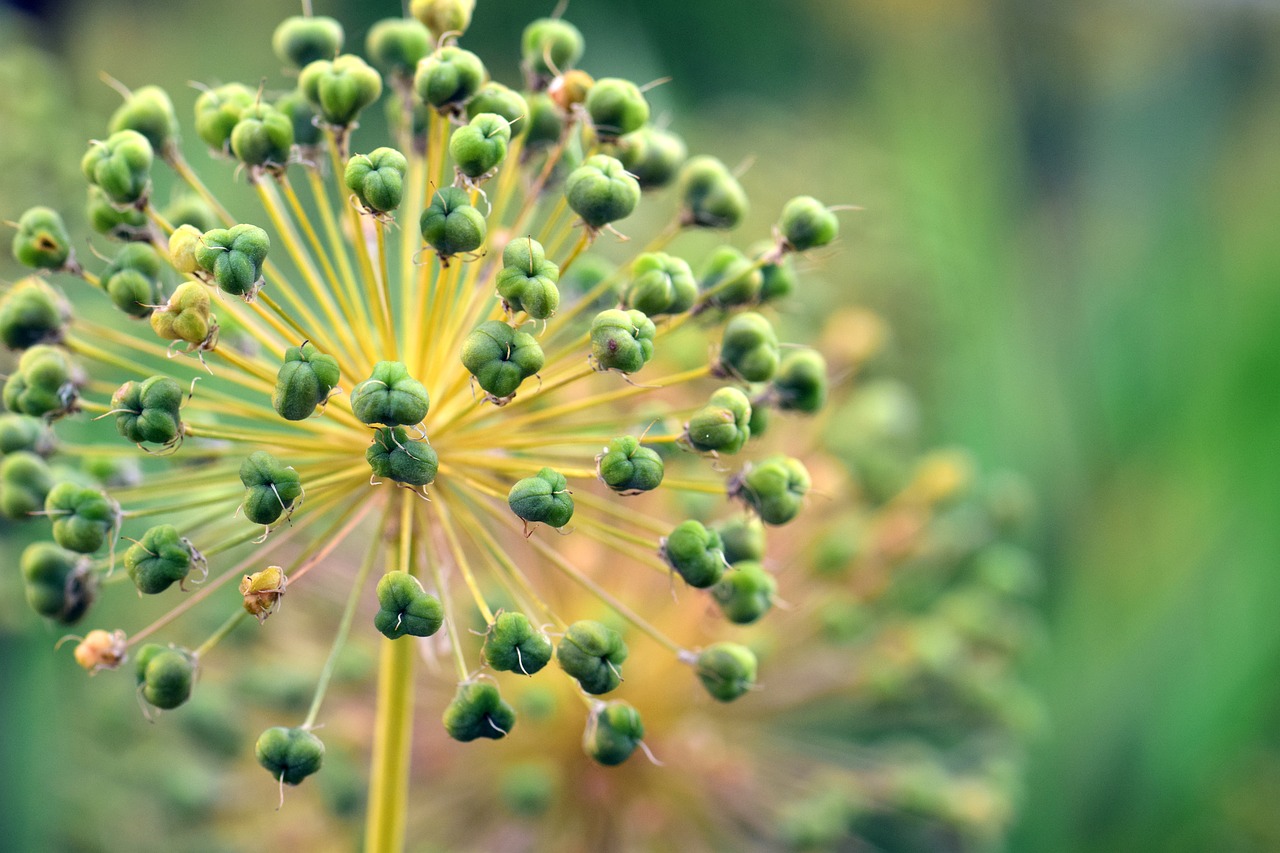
[[1069, 218]]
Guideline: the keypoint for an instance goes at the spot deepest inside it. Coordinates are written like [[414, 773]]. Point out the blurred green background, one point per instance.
[[1070, 216]]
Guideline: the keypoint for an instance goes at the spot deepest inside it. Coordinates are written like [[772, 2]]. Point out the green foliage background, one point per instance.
[[1070, 218]]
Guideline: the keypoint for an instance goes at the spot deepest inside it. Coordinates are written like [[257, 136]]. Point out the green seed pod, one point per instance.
[[527, 281], [234, 257], [777, 276], [304, 382], [477, 711], [218, 111], [731, 278], [500, 358], [123, 224], [444, 16], [121, 166], [711, 196], [159, 559], [593, 654], [652, 155], [695, 553], [44, 384], [185, 316], [289, 755], [660, 284], [150, 112], [451, 224], [550, 46], [807, 223], [404, 607], [759, 420], [727, 670], [749, 349], [542, 499], [165, 675], [743, 539], [377, 178], [512, 644], [545, 123], [394, 456], [745, 593], [800, 384], [42, 241], [184, 243], [148, 411], [529, 788], [31, 313], [23, 432], [58, 583], [478, 147], [622, 340], [397, 45], [271, 488], [390, 396], [132, 279], [191, 210], [628, 468], [263, 137], [722, 425], [613, 733], [616, 106], [449, 77], [25, 481], [82, 517], [340, 89], [298, 41], [493, 97], [775, 488], [600, 191], [295, 106]]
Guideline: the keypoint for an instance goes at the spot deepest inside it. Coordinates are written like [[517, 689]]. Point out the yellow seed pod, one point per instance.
[[263, 590], [183, 243], [101, 650]]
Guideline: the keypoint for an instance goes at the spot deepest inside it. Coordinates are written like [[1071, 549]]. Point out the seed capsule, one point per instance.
[[628, 468], [449, 77], [500, 358], [148, 411], [31, 313], [404, 607], [660, 284], [262, 591], [710, 194], [132, 279], [305, 380], [622, 340], [83, 517], [477, 711], [593, 654], [116, 223], [58, 582], [42, 241], [514, 645], [542, 499], [550, 46], [234, 258], [159, 559], [271, 488], [121, 166], [727, 670], [305, 118], [800, 384], [341, 88], [527, 281], [165, 675], [742, 539], [101, 650], [444, 16], [545, 122], [722, 425], [480, 145], [730, 278], [775, 488], [395, 456], [600, 191], [616, 106], [185, 316], [44, 384], [298, 41], [493, 97], [397, 45], [749, 349], [390, 397], [23, 432], [653, 155], [613, 733], [289, 754], [745, 593], [695, 553], [149, 112], [377, 178], [218, 111], [263, 137], [807, 223], [451, 224]]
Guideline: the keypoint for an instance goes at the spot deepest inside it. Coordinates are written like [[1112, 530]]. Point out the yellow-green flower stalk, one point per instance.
[[394, 350]]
